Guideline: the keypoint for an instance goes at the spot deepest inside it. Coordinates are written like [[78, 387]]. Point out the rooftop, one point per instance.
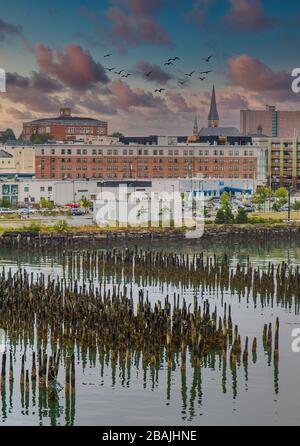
[[219, 131], [66, 118], [4, 154]]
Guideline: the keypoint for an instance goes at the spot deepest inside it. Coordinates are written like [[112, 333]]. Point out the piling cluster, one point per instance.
[[51, 321], [278, 284]]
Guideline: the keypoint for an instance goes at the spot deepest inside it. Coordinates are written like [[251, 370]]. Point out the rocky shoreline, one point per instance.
[[23, 239]]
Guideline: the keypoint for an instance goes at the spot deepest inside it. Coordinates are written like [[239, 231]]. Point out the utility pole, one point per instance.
[[289, 205]]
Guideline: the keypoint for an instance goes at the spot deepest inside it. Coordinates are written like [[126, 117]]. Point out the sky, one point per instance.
[[53, 54]]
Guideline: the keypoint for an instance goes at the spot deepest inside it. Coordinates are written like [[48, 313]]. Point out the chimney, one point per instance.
[[65, 112]]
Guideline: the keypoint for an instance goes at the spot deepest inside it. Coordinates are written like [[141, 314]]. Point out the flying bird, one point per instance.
[[174, 59], [160, 90], [206, 72], [107, 55], [169, 63], [190, 74], [126, 75], [109, 69], [207, 59], [202, 78], [149, 74], [120, 72], [181, 82]]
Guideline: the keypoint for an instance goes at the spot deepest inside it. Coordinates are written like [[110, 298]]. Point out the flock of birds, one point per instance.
[[170, 62]]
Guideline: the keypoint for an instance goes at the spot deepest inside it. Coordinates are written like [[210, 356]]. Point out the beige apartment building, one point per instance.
[[17, 161], [283, 161]]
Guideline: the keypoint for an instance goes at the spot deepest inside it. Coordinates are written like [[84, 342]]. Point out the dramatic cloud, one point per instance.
[[248, 15], [233, 101], [131, 23], [75, 68], [252, 74], [34, 92], [124, 97], [179, 103], [158, 75], [137, 29], [20, 115], [96, 104], [6, 29]]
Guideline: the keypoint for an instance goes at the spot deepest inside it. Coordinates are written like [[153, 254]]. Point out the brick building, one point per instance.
[[271, 123], [75, 161], [65, 127]]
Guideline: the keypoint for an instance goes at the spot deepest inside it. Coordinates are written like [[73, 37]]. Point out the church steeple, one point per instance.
[[213, 117], [196, 128]]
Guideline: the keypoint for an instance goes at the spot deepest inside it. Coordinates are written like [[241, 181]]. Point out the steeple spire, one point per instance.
[[196, 128], [213, 117]]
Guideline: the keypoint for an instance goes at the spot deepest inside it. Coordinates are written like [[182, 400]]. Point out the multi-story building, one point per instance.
[[61, 192], [17, 161], [283, 161], [271, 122], [75, 161], [65, 127]]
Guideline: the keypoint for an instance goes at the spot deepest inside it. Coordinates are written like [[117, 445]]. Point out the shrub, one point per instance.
[[62, 226], [242, 217], [220, 217], [296, 206], [33, 227], [229, 217]]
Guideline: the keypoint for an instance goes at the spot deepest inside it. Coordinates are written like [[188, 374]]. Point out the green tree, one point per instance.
[[262, 195], [116, 135], [8, 135], [296, 206], [220, 217], [225, 199], [85, 203], [46, 204], [229, 217], [41, 139], [281, 196], [242, 217]]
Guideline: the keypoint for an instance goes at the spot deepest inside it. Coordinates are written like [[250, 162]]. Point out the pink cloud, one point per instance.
[[137, 29], [75, 68], [248, 15], [252, 74], [140, 7], [179, 103], [124, 97]]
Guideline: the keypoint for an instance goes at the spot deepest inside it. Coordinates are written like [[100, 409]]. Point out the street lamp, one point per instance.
[[289, 204]]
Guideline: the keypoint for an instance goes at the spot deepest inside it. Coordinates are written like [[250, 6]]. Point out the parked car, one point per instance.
[[26, 211], [78, 212], [284, 208], [6, 211]]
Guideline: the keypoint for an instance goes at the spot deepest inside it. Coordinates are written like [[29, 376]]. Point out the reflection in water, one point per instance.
[[45, 386], [102, 324]]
